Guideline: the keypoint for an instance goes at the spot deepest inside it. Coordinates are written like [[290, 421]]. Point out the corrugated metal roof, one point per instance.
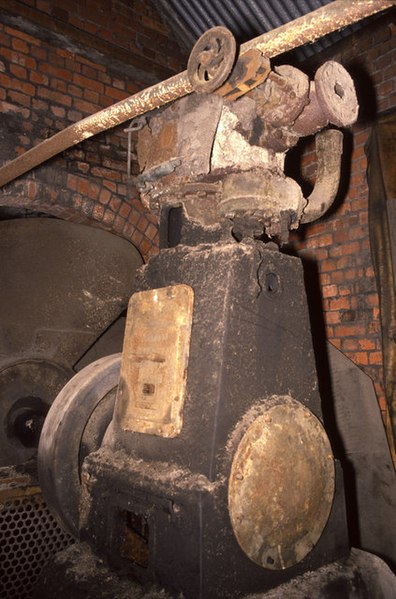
[[245, 18]]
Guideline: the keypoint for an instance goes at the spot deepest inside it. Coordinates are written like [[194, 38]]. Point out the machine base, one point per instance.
[[76, 573]]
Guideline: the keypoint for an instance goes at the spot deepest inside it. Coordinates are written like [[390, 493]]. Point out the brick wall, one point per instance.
[[59, 62], [339, 242]]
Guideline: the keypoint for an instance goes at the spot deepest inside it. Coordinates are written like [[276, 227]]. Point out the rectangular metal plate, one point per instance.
[[151, 391]]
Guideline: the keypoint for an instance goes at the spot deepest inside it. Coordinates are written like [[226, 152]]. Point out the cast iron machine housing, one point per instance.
[[215, 477]]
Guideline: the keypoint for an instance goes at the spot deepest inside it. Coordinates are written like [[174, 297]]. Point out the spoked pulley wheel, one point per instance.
[[74, 427], [211, 60]]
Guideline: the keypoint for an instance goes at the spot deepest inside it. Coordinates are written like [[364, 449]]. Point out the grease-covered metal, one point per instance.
[[303, 30]]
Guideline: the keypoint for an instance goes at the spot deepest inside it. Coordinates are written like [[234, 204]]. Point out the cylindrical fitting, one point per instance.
[[332, 99]]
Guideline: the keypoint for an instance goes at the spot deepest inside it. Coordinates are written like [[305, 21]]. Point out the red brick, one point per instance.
[[134, 217], [145, 247], [328, 265], [119, 224], [22, 35], [367, 344], [74, 115], [57, 72], [336, 342], [58, 111], [137, 238], [110, 185], [329, 290], [19, 98], [18, 71], [114, 93], [104, 196], [349, 344], [332, 317], [40, 53], [91, 96], [124, 210], [32, 189], [85, 82], [98, 212], [360, 358], [54, 96], [84, 106], [151, 231], [108, 217], [93, 190], [39, 78], [6, 107], [105, 173], [115, 203], [353, 330], [375, 357], [342, 303], [20, 46], [83, 186], [83, 167], [89, 72], [372, 300], [72, 182], [76, 91]]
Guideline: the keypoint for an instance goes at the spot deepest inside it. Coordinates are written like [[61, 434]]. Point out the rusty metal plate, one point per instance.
[[154, 362], [281, 485]]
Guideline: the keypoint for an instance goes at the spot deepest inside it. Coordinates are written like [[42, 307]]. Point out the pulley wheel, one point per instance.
[[27, 390], [74, 427], [211, 60]]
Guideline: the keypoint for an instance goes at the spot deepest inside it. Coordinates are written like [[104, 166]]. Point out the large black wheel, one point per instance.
[[74, 427]]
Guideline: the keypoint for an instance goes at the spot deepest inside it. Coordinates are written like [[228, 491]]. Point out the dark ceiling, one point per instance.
[[188, 19]]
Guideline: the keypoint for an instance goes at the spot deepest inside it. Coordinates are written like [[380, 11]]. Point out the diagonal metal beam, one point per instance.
[[303, 30]]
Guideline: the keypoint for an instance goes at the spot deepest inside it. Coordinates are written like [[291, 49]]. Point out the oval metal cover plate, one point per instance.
[[151, 391], [281, 485]]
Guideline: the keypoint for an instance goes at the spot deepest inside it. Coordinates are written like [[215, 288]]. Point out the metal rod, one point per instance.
[[303, 30]]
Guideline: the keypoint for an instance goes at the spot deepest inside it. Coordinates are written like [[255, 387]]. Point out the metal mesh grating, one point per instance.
[[29, 536]]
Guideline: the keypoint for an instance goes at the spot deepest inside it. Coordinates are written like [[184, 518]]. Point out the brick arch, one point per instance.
[[86, 201]]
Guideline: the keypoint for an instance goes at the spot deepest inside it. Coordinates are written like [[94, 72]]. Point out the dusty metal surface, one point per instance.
[[62, 285], [370, 474], [281, 486], [151, 391], [298, 32]]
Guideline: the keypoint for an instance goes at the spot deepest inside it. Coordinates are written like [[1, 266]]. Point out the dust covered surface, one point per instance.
[[77, 573], [361, 576]]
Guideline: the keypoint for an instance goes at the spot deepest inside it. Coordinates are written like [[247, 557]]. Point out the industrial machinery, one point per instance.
[[215, 476]]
